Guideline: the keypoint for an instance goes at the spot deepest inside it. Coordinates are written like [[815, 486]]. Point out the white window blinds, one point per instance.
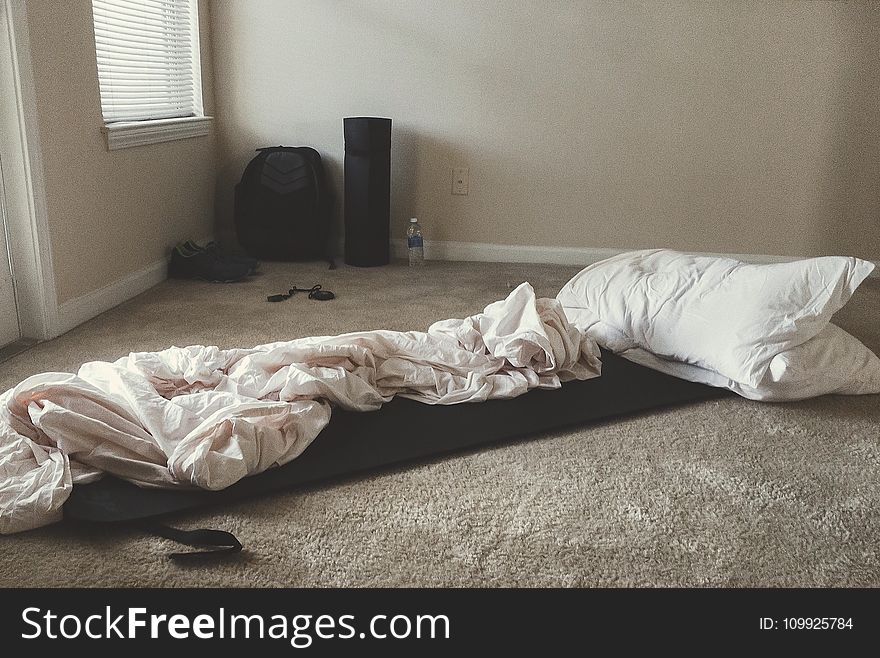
[[148, 59]]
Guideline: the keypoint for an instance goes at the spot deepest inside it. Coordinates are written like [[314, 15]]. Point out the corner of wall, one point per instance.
[[29, 240]]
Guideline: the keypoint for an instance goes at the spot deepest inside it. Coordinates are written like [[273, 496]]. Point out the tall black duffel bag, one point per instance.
[[283, 204]]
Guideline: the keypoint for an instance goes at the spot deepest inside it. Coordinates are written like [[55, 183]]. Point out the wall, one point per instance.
[[741, 127], [111, 214]]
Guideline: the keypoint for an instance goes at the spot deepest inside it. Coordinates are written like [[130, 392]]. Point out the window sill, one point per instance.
[[127, 134]]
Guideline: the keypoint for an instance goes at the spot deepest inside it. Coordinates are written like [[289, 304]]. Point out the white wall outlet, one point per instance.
[[460, 176]]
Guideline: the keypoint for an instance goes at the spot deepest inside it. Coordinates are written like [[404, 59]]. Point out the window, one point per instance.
[[149, 70]]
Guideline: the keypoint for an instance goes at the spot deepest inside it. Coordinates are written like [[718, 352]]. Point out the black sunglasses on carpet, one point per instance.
[[315, 292]]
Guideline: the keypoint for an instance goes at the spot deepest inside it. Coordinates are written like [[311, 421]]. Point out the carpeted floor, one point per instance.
[[723, 493]]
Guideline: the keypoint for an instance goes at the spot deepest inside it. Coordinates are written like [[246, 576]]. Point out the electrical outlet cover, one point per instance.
[[460, 180]]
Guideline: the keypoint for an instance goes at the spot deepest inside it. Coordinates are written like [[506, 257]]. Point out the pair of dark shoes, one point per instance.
[[192, 261]]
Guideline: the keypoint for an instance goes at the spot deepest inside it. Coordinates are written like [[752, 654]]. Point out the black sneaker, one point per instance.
[[189, 264], [212, 247]]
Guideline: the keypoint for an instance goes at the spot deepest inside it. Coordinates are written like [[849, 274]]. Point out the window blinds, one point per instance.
[[148, 59]]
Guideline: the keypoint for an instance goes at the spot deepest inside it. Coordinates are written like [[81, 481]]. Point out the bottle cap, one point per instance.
[[413, 220]]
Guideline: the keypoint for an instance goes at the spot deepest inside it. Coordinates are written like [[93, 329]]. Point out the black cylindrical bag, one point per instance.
[[367, 191]]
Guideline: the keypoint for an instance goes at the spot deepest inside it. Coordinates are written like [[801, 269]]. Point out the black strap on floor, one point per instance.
[[315, 292], [212, 543]]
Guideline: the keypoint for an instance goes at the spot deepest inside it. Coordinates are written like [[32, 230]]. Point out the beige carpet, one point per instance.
[[720, 493]]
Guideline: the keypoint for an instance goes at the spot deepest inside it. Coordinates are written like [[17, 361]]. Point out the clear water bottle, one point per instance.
[[415, 243]]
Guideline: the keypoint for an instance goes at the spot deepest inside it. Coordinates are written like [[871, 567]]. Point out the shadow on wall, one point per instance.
[[421, 180], [405, 166], [848, 191], [228, 174]]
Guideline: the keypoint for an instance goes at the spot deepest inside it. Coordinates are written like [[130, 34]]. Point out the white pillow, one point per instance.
[[715, 313], [833, 361]]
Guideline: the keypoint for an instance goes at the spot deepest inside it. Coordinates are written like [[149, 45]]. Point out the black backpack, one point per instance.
[[283, 204]]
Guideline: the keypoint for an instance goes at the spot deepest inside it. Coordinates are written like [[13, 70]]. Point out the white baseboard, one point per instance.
[[582, 256], [505, 253], [74, 312]]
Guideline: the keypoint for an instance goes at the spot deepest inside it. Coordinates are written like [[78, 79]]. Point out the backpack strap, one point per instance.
[[211, 543]]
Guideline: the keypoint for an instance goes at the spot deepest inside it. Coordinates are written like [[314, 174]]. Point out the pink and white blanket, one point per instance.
[[205, 417]]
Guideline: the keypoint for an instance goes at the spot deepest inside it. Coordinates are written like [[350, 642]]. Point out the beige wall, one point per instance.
[[110, 213], [743, 127]]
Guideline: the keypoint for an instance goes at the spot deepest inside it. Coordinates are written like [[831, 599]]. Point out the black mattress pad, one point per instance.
[[406, 431]]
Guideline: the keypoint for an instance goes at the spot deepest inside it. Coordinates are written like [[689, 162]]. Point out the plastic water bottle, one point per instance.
[[415, 243]]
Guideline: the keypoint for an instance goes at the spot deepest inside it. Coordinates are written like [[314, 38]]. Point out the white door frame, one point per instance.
[[27, 222], [9, 329]]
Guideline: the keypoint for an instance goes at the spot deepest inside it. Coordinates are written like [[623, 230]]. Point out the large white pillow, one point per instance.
[[833, 361], [718, 314]]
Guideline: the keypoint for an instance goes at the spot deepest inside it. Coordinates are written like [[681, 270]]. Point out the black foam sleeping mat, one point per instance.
[[406, 431]]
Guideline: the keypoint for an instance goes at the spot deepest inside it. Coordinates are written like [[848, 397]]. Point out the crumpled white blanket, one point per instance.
[[205, 417]]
